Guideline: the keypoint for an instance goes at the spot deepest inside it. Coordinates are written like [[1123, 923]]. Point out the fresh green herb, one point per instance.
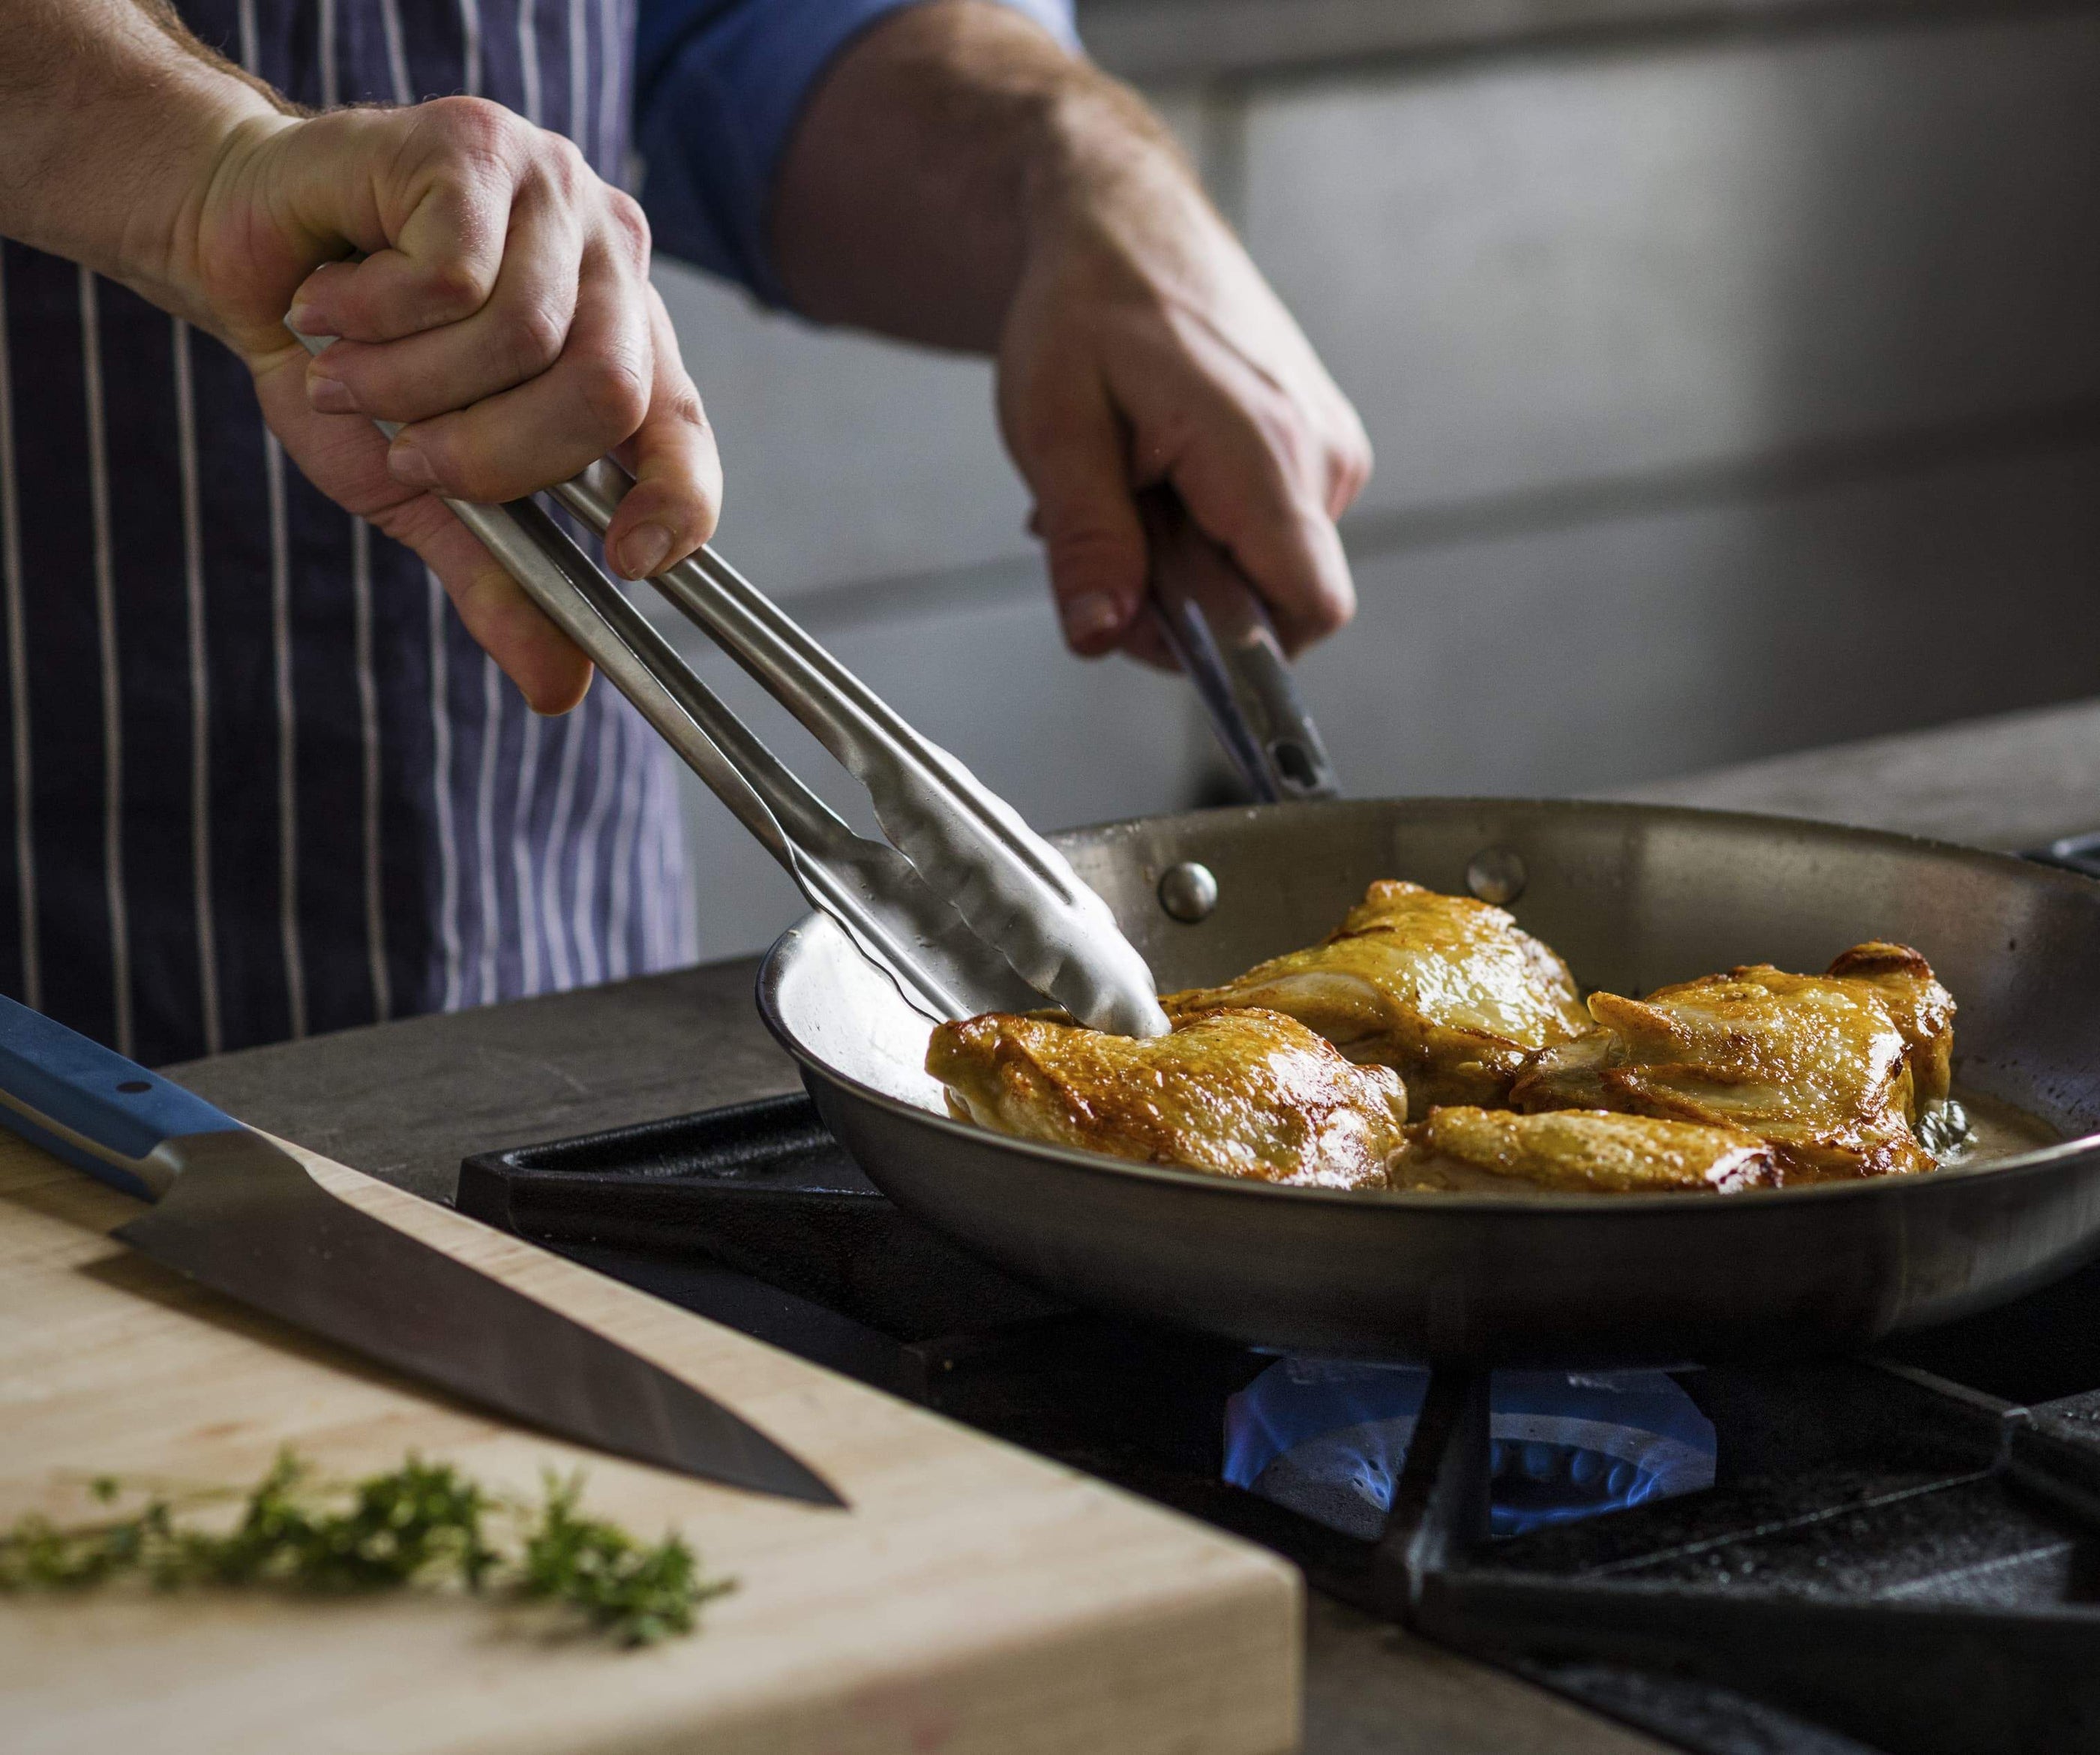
[[423, 1524], [635, 1595]]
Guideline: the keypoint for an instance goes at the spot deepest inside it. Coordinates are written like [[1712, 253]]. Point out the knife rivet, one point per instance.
[[1189, 891], [1497, 876]]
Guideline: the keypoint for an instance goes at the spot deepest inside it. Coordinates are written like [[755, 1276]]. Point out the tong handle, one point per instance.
[[1217, 624]]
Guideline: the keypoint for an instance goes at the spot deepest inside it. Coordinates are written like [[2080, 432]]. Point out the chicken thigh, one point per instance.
[[1467, 1150], [1238, 1093], [1836, 1072], [1449, 992]]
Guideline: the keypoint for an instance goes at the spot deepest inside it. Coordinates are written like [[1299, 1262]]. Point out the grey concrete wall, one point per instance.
[[1607, 265], [1731, 394]]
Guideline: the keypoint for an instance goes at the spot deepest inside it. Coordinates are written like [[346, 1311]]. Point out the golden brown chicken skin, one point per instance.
[[1826, 1069], [1449, 992], [1238, 1093], [1920, 1007], [1464, 1149]]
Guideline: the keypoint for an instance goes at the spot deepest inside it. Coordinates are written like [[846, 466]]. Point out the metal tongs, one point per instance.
[[1216, 625], [968, 910]]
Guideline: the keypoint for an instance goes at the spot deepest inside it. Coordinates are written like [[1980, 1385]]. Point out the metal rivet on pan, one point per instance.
[[1496, 875], [1189, 891]]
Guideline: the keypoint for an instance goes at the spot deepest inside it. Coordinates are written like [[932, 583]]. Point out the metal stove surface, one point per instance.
[[1899, 1554]]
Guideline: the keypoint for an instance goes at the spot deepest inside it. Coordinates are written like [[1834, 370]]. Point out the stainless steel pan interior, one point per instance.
[[1633, 895]]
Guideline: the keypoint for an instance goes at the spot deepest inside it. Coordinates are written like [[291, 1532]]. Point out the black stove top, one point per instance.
[[1899, 1554]]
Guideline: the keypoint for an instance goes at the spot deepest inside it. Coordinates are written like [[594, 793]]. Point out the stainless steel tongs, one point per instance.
[[1217, 627], [966, 910]]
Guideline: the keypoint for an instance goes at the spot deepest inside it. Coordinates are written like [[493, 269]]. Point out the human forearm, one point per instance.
[[929, 154], [113, 117]]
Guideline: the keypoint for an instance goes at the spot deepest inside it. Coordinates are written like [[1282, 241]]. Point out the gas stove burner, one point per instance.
[[1327, 1438]]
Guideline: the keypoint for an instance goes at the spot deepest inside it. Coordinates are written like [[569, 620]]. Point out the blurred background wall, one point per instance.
[[1733, 366]]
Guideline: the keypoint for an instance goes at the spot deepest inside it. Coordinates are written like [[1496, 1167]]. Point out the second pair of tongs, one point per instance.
[[967, 912], [1218, 628]]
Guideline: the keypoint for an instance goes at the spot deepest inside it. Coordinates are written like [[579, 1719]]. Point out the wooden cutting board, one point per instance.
[[975, 1597]]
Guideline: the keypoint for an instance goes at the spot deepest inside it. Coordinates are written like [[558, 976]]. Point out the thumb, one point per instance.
[[1069, 445]]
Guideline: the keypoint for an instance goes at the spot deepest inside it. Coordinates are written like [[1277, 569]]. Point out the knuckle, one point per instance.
[[565, 161], [616, 393], [557, 168], [468, 475], [1280, 432], [453, 287], [455, 468], [631, 225], [473, 128], [529, 339], [475, 156], [468, 459], [1353, 458], [683, 405]]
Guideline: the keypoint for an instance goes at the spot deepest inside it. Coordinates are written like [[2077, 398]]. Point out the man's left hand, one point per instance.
[[961, 178], [1143, 347]]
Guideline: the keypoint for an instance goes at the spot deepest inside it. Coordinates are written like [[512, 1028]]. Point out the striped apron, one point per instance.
[[258, 781]]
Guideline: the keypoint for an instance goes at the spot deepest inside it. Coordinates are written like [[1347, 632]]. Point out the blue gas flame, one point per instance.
[[1327, 1438]]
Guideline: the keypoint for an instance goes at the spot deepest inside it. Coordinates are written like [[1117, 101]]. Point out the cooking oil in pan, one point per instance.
[[1996, 1129]]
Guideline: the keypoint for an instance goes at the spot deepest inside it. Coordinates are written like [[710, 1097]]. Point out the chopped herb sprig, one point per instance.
[[422, 1525]]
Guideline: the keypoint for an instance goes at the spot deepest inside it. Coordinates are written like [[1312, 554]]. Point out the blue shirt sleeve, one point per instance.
[[718, 86]]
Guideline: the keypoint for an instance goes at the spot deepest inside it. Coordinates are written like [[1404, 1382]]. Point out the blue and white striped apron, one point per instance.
[[259, 782]]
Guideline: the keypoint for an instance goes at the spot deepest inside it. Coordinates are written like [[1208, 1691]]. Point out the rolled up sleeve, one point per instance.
[[720, 84]]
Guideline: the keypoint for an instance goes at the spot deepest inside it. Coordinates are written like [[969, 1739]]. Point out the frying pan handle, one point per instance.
[[1217, 627]]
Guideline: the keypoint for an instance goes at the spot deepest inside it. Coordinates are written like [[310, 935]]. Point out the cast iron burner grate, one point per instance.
[[1899, 1554]]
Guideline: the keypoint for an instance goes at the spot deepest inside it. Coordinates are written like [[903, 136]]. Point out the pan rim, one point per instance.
[[2041, 1160]]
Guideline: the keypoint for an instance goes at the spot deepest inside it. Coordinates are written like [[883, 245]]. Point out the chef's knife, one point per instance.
[[240, 1216]]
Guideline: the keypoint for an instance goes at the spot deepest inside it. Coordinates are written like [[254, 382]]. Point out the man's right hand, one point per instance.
[[503, 310]]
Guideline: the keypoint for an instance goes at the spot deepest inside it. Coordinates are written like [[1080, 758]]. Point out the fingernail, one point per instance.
[[409, 465], [1091, 615], [300, 319], [330, 395], [642, 554]]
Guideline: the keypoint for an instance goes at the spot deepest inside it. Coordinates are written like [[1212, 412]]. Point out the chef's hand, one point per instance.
[[1142, 347], [502, 311], [960, 178]]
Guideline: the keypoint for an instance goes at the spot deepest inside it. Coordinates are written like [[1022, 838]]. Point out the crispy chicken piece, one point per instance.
[[1833, 1070], [1238, 1093], [1449, 992], [1465, 1150], [1921, 1009]]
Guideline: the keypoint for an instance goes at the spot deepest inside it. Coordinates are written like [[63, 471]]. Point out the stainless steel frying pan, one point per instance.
[[1633, 895], [966, 900]]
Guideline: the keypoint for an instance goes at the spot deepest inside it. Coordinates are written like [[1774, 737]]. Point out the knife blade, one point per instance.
[[241, 1215]]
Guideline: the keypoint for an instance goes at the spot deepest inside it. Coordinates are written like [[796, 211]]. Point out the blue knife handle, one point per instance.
[[89, 1105]]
